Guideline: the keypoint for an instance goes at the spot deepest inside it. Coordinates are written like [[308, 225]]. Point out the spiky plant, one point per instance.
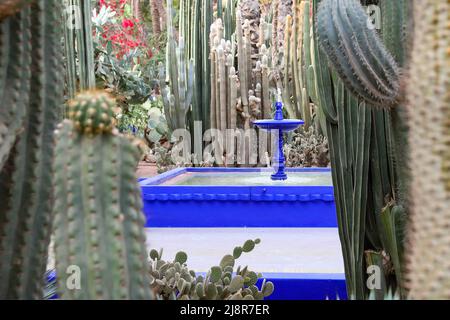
[[30, 105], [250, 11], [155, 7], [307, 149], [428, 96], [284, 10], [172, 280], [358, 98], [365, 65], [99, 226]]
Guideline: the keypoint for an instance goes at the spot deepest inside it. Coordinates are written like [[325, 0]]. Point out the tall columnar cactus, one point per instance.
[[99, 226], [155, 7], [357, 53], [229, 19], [15, 58], [196, 20], [30, 103], [79, 47], [292, 74], [428, 97], [252, 100], [284, 10], [250, 16], [177, 96], [371, 210]]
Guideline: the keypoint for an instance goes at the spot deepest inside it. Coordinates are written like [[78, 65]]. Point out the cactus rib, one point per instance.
[[99, 227]]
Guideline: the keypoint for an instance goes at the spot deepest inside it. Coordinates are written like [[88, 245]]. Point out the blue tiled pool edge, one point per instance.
[[306, 286], [250, 206], [236, 206], [288, 286]]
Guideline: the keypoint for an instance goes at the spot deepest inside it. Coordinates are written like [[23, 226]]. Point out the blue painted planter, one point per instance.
[[236, 205], [306, 286], [288, 286]]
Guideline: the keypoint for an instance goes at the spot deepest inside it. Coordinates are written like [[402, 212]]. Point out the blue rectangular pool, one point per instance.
[[239, 197]]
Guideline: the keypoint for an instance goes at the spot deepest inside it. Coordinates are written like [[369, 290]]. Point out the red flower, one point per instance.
[[127, 23], [124, 36]]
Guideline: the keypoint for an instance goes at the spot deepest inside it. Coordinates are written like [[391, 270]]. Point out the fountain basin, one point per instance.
[[239, 197], [286, 124]]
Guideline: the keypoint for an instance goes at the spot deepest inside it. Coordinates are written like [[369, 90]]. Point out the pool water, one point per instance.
[[249, 179]]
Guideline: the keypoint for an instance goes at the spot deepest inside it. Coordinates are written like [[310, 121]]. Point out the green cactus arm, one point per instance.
[[190, 83], [25, 191], [99, 226], [181, 83], [395, 27], [15, 58], [165, 94], [203, 65], [356, 52]]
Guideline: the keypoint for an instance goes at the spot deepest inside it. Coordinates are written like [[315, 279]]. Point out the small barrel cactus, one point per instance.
[[99, 228], [92, 114]]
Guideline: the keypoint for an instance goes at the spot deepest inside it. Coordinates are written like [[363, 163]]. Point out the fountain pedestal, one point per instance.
[[280, 125]]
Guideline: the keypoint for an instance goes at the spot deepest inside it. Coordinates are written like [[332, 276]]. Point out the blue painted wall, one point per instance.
[[236, 206]]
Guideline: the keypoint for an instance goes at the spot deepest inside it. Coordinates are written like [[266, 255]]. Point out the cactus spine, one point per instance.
[[428, 96], [99, 227], [32, 38]]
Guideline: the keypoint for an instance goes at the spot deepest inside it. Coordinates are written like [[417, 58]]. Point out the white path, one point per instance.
[[287, 250]]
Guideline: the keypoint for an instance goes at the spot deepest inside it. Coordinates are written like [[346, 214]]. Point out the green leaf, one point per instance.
[[249, 245], [237, 252], [216, 274], [227, 260], [109, 47], [236, 284], [181, 257]]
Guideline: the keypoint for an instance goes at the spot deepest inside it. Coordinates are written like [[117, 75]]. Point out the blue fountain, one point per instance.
[[303, 202], [281, 125]]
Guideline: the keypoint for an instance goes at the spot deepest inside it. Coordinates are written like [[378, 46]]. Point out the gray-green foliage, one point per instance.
[[31, 92], [173, 280], [306, 149]]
